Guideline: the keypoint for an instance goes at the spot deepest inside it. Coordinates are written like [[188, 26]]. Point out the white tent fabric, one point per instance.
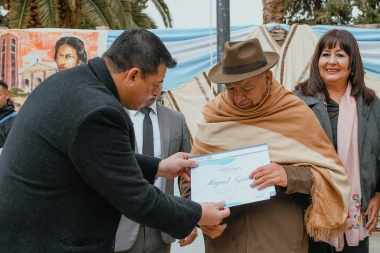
[[298, 46], [190, 98]]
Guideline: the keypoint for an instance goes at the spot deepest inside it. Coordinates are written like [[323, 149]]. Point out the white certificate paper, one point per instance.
[[225, 176]]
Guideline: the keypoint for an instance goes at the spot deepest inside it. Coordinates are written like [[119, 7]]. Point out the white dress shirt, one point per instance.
[[137, 119]]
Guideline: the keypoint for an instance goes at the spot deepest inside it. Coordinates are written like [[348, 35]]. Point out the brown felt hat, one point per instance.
[[242, 60]]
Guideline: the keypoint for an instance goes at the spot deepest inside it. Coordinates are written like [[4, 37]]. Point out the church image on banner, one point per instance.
[[8, 59], [33, 76]]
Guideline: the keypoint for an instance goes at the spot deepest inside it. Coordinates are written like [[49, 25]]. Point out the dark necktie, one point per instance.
[[148, 148]]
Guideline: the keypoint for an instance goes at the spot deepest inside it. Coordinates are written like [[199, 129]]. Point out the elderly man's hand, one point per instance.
[[214, 231], [271, 174], [176, 165]]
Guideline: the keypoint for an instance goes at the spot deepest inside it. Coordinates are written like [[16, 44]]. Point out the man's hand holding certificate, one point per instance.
[[225, 176]]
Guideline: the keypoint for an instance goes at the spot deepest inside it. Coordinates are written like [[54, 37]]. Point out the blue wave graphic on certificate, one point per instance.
[[216, 161], [223, 177]]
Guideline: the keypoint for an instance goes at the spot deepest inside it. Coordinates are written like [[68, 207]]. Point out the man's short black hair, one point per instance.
[[138, 48]]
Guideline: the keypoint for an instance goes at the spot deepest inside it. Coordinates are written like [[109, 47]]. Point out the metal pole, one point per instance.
[[223, 30]]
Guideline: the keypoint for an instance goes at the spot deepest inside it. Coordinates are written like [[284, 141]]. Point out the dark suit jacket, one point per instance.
[[174, 137], [71, 170]]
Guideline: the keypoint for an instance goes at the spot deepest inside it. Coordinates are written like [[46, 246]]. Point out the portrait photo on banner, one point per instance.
[[30, 56]]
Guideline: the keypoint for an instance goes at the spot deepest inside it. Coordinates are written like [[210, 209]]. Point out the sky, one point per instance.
[[202, 13]]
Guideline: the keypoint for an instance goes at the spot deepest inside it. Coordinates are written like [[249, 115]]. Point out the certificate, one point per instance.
[[225, 176]]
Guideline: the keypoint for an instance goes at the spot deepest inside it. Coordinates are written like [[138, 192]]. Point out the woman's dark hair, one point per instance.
[[348, 43], [74, 42], [138, 48]]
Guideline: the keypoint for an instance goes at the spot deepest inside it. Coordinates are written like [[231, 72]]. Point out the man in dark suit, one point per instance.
[[170, 135], [71, 169]]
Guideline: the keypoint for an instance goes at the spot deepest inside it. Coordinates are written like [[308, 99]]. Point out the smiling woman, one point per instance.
[[334, 68], [338, 95]]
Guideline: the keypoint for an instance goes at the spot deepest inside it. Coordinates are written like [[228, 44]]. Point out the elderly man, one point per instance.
[[256, 109]]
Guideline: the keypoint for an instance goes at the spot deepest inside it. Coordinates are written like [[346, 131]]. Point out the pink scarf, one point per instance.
[[348, 153]]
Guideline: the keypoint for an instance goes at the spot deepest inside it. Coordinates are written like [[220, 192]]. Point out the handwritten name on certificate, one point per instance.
[[225, 176]]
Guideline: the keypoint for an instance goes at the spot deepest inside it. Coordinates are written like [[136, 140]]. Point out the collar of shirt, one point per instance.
[[153, 106]]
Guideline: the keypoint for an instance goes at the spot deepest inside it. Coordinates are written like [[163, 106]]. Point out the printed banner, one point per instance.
[[29, 56]]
